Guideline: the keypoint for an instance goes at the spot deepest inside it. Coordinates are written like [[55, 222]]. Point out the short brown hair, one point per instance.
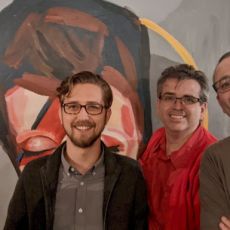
[[85, 77], [182, 72]]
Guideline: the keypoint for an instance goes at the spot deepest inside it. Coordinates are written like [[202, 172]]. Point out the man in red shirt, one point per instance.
[[172, 158]]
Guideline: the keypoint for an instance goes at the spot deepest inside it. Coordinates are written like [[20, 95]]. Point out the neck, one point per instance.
[[83, 159], [174, 141]]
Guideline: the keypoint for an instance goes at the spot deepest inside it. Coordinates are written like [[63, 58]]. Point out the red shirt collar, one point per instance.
[[181, 157]]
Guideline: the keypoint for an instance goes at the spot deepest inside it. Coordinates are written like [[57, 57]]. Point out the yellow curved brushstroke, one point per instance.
[[179, 48]]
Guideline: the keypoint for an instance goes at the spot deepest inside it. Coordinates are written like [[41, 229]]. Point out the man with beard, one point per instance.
[[84, 184], [214, 173], [172, 158]]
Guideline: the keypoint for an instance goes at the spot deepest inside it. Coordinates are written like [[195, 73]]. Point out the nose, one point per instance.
[[82, 113], [178, 102]]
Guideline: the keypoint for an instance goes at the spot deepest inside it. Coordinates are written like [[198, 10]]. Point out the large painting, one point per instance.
[[44, 42]]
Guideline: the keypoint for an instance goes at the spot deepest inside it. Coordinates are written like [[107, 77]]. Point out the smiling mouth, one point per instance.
[[176, 116], [83, 125], [83, 128]]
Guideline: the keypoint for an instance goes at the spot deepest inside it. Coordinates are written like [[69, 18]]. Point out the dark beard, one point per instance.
[[85, 143]]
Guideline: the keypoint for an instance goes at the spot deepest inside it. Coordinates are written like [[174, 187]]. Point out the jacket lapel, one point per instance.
[[49, 177], [112, 173]]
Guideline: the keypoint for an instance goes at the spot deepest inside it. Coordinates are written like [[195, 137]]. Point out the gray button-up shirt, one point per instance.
[[79, 198]]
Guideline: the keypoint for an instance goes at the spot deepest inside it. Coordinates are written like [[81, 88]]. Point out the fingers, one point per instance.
[[224, 223]]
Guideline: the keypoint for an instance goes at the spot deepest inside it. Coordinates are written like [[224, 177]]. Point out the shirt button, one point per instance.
[[82, 183], [72, 169], [80, 210]]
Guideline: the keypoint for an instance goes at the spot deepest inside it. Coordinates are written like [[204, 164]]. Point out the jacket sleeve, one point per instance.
[[17, 216], [212, 190], [141, 206]]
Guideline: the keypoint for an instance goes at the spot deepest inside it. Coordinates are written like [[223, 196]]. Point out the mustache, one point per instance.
[[83, 123]]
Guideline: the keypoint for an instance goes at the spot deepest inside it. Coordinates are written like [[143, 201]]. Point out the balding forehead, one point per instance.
[[222, 69]]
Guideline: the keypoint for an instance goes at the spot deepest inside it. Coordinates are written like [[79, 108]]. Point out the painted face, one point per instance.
[[177, 116], [84, 129], [223, 71]]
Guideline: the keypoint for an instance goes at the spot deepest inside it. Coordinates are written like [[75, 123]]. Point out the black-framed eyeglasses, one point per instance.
[[223, 85], [90, 108], [186, 99]]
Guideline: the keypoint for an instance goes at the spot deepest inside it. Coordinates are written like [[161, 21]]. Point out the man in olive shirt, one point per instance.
[[215, 165], [83, 184]]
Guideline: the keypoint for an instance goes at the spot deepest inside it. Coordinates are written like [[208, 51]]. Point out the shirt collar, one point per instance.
[[70, 169], [180, 158]]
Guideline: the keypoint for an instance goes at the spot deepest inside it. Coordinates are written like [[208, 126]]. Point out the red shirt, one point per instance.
[[172, 181]]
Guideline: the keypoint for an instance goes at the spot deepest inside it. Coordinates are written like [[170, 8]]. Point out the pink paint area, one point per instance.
[[23, 107], [48, 134], [121, 129]]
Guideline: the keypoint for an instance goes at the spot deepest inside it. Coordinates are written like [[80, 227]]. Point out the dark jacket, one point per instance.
[[33, 202]]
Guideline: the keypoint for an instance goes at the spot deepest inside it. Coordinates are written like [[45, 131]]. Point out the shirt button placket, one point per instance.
[[80, 202]]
